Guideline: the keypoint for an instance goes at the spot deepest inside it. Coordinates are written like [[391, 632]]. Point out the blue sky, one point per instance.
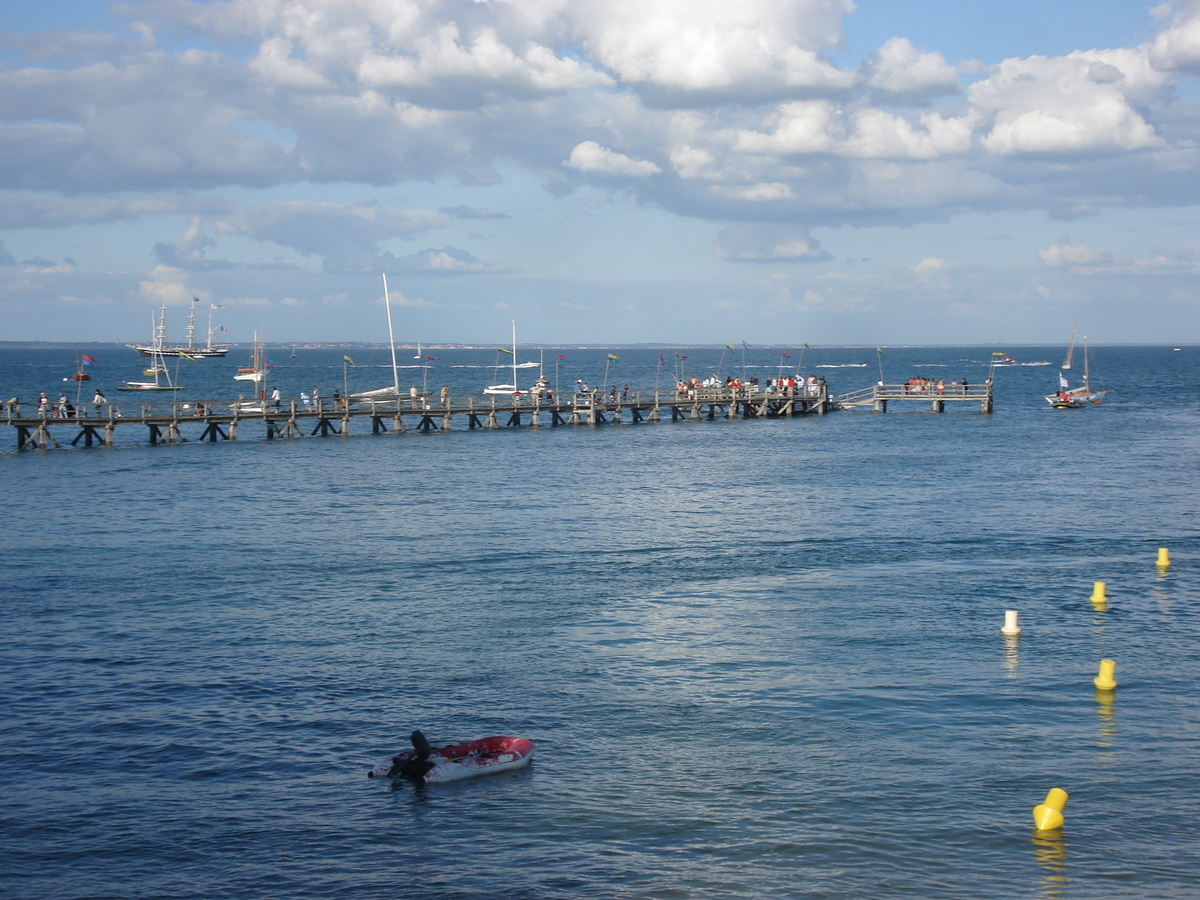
[[603, 171]]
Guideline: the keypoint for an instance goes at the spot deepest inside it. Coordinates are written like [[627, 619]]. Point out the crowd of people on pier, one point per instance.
[[929, 386], [734, 386]]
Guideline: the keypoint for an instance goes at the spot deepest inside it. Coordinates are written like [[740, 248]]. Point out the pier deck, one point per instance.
[[178, 421], [879, 396]]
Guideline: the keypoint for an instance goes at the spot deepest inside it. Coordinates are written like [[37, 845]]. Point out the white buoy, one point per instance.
[[1010, 623]]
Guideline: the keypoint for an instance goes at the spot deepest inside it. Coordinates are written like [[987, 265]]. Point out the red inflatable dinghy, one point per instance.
[[457, 761]]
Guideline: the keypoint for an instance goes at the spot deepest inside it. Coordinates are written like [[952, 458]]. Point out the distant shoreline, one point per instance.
[[412, 345]]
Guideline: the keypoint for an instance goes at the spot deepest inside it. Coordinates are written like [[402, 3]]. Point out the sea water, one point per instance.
[[758, 658]]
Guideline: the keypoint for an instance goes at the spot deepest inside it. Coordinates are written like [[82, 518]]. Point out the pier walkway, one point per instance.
[[177, 421], [878, 397]]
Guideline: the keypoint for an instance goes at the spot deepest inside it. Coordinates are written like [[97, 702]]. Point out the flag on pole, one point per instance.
[[729, 346], [88, 361], [349, 360], [613, 356], [560, 356], [998, 353], [215, 306], [185, 356], [744, 344], [806, 345], [879, 350], [502, 350], [785, 356], [1062, 381], [662, 358]]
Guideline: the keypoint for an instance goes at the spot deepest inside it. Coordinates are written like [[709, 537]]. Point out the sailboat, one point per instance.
[[1068, 397], [393, 391], [189, 350], [1070, 349], [257, 370], [158, 365], [81, 369], [507, 388]]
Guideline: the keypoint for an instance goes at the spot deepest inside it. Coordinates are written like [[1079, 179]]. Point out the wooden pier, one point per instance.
[[879, 396], [178, 421]]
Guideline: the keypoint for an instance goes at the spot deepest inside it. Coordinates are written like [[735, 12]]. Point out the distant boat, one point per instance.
[[158, 366], [257, 370], [506, 389], [81, 368], [1068, 397], [189, 350], [1070, 348], [391, 392]]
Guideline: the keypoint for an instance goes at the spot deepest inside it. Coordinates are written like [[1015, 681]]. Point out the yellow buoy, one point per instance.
[[1105, 681], [1098, 598], [1164, 558], [1048, 816]]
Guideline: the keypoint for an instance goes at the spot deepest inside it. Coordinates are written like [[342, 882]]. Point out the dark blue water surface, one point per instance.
[[758, 658]]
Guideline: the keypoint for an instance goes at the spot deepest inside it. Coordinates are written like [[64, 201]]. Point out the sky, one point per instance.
[[602, 171]]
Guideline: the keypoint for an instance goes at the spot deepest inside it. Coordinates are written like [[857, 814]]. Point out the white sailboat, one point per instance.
[[393, 391], [257, 370], [1068, 397], [1070, 348], [507, 389], [158, 365]]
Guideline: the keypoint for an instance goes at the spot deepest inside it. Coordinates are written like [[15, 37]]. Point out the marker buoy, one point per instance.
[[1164, 558], [1010, 623], [1105, 681], [1098, 598], [1048, 816]]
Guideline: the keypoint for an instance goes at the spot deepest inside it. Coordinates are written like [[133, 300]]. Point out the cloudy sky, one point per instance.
[[602, 171]]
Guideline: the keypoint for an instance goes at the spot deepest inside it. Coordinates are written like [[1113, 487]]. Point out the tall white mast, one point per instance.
[[514, 326], [391, 338]]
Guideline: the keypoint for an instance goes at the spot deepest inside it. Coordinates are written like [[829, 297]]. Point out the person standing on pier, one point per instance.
[[98, 401], [316, 398], [275, 398]]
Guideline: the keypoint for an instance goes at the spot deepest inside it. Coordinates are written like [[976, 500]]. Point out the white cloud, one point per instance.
[[590, 157], [1058, 255], [901, 69], [1068, 105], [768, 244], [753, 46], [1177, 46], [927, 268]]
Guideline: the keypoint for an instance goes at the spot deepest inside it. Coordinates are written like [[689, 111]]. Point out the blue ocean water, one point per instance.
[[758, 658]]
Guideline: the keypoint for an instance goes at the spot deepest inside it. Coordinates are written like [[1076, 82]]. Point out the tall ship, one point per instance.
[[190, 349]]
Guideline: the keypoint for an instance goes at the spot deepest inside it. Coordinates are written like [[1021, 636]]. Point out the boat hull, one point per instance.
[[456, 762]]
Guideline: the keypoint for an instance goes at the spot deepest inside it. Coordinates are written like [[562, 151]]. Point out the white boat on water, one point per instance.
[[510, 388], [257, 370], [158, 366], [392, 391]]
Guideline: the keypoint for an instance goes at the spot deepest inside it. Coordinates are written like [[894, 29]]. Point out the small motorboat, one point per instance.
[[426, 765]]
